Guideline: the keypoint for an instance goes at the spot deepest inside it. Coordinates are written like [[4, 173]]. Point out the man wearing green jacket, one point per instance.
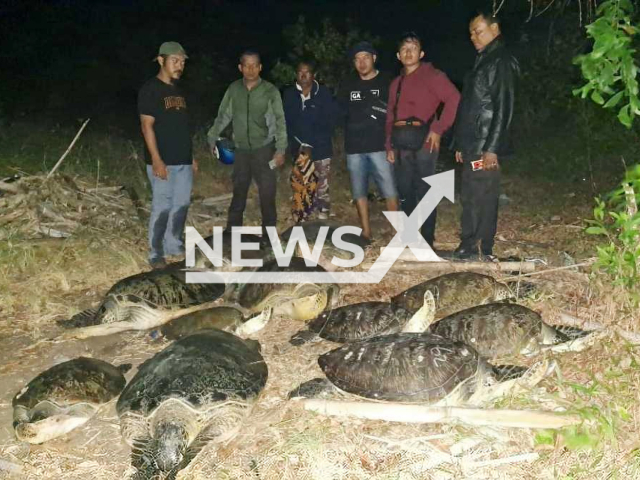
[[254, 108]]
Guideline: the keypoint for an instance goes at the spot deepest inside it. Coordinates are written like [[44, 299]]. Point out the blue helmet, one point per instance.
[[226, 150]]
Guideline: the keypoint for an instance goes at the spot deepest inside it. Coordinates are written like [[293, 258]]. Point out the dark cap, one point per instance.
[[362, 47], [172, 48]]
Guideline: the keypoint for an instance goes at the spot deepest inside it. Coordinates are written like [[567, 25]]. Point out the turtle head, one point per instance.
[[108, 312], [424, 316], [169, 445], [521, 289], [40, 425], [502, 292]]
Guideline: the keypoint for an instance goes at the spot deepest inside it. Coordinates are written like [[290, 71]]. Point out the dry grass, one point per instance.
[[41, 281]]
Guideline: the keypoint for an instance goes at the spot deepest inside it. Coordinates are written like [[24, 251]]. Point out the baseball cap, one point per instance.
[[172, 48], [362, 47]]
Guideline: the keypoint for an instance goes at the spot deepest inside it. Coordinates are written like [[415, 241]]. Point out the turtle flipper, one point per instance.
[[82, 319], [124, 368], [580, 342], [205, 436], [424, 317], [521, 289], [96, 330], [141, 460], [508, 372], [302, 337], [315, 388], [572, 333], [256, 323]]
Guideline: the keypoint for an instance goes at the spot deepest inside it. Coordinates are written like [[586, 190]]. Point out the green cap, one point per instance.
[[172, 48]]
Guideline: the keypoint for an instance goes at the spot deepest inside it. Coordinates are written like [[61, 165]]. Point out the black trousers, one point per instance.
[[253, 165], [480, 193], [410, 168]]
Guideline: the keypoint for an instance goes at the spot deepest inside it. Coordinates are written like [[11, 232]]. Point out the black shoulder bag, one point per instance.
[[412, 134]]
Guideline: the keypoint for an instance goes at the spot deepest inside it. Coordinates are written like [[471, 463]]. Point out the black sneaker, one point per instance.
[[465, 253]]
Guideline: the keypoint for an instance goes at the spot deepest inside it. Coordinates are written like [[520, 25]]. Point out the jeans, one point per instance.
[[169, 206], [411, 167], [360, 165], [480, 195], [253, 164]]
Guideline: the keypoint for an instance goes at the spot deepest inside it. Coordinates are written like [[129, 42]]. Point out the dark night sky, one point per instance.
[[91, 56]]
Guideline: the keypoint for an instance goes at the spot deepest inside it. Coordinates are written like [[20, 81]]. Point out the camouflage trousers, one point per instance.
[[322, 202]]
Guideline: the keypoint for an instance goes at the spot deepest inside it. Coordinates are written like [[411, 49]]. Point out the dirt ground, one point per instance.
[[46, 280]]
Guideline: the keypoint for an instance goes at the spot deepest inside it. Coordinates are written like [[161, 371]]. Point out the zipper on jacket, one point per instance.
[[248, 101]]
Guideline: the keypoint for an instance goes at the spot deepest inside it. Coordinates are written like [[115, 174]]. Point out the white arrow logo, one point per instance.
[[407, 235]]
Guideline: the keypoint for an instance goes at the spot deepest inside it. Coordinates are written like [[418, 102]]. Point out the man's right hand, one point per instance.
[[160, 170], [391, 156], [458, 156], [215, 152]]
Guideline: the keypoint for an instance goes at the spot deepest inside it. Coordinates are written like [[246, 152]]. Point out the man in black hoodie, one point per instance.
[[481, 135]]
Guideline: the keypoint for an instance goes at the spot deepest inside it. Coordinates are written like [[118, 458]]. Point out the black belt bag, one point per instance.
[[413, 133]]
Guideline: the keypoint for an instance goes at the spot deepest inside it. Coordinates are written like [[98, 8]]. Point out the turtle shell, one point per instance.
[[165, 288], [453, 292], [255, 296], [201, 261], [405, 367], [360, 321], [207, 367], [79, 380], [493, 329], [312, 230], [223, 318]]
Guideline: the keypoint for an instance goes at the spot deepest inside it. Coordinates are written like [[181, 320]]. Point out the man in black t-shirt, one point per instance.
[[170, 165], [363, 99]]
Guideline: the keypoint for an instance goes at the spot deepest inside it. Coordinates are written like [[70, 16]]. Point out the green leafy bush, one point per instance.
[[610, 68], [616, 217]]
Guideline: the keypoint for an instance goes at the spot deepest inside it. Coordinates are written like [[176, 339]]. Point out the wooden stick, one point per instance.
[[55, 167], [461, 266], [399, 412], [116, 188], [550, 270], [211, 201], [567, 319], [523, 457]]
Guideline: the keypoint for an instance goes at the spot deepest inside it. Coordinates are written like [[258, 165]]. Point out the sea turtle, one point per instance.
[[201, 260], [228, 318], [454, 292], [143, 301], [300, 301], [312, 232], [64, 397], [498, 329], [198, 389], [418, 368], [363, 320]]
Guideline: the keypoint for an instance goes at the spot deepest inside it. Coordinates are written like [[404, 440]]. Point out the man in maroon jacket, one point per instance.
[[414, 98]]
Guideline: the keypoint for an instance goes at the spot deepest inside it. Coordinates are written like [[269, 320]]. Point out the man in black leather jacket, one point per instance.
[[481, 135]]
